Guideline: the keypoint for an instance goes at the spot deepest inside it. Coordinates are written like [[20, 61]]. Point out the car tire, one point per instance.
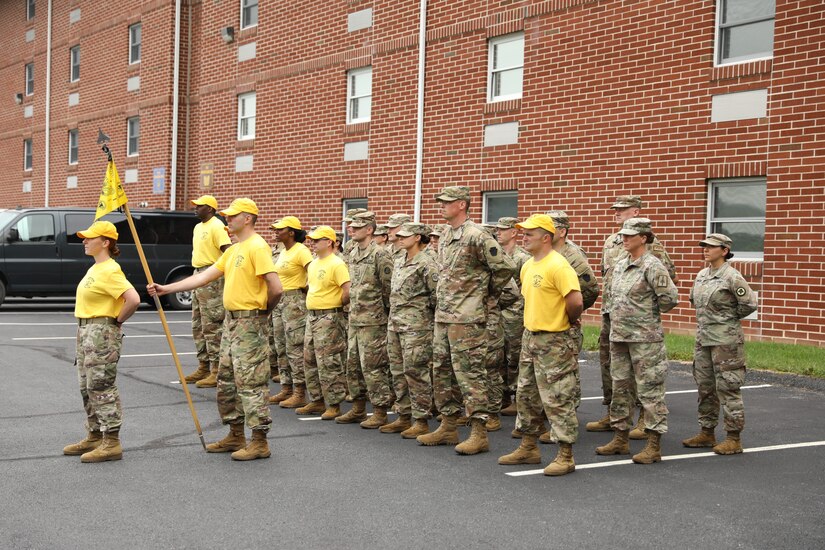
[[179, 300], [2, 292]]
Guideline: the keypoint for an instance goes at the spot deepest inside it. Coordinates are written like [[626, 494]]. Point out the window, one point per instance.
[[29, 79], [246, 116], [29, 10], [737, 209], [498, 204], [134, 43], [74, 63], [27, 154], [349, 204], [506, 67], [132, 136], [359, 95], [744, 30], [73, 146], [249, 13], [34, 228]]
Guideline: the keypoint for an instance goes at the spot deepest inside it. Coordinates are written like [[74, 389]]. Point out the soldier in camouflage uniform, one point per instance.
[[393, 225], [350, 244], [410, 331], [641, 289], [473, 267], [278, 365], [722, 299], [368, 373], [624, 208], [435, 235], [381, 235]]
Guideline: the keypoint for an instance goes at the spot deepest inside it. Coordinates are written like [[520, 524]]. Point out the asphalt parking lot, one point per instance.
[[333, 486]]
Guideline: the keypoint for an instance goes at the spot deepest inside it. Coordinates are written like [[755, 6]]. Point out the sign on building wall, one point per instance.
[[158, 181], [207, 175]]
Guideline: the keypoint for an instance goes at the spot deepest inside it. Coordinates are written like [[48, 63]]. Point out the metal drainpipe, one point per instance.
[[419, 146], [47, 167], [175, 101]]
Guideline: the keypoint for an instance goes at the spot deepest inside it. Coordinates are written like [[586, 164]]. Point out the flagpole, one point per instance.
[[161, 313]]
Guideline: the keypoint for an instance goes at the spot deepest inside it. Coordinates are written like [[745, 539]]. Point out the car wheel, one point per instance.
[[179, 300], [2, 292]]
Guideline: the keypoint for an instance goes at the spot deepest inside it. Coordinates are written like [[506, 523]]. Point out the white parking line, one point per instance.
[[131, 336], [691, 391], [676, 457], [306, 418], [74, 324]]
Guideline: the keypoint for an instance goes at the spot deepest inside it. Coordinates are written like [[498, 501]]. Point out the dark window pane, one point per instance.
[[746, 236], [499, 206], [739, 201]]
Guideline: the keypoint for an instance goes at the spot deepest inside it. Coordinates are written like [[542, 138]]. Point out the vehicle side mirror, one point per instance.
[[12, 235]]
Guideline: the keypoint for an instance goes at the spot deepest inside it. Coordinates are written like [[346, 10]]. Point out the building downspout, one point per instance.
[[188, 104], [47, 167], [419, 140], [175, 104]]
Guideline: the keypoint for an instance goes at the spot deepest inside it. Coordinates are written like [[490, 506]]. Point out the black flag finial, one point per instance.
[[101, 137]]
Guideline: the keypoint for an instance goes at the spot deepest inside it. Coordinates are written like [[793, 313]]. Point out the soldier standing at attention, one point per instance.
[[348, 220], [641, 289], [393, 225], [277, 341], [381, 235], [251, 291], [435, 236], [473, 267], [548, 372], [104, 301], [722, 299], [209, 240]]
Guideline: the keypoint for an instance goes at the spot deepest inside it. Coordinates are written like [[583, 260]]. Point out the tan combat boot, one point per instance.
[[419, 427], [297, 399], [477, 442], [638, 431], [493, 423], [314, 407], [563, 463], [705, 438], [378, 419], [236, 440], [651, 453], [109, 449], [210, 381], [617, 446], [509, 410], [332, 412], [600, 425], [446, 434], [283, 395], [732, 445], [276, 378], [91, 442], [357, 413], [257, 448], [462, 420], [546, 438], [200, 374], [402, 423], [526, 453]]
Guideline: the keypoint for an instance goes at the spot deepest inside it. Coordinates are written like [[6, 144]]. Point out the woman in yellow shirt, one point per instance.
[[105, 300]]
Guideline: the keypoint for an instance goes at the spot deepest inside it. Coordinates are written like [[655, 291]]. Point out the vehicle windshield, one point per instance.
[[6, 216]]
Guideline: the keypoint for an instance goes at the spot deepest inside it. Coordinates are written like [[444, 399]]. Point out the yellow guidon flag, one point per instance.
[[112, 196]]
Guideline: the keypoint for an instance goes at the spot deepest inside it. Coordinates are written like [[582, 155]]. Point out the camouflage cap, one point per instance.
[[398, 219], [454, 193], [380, 230], [560, 218], [409, 229], [635, 226], [507, 223], [438, 230], [717, 239], [339, 235], [362, 219], [629, 201], [351, 212], [490, 228]]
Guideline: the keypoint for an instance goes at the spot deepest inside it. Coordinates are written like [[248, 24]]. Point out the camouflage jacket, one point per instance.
[[642, 289], [614, 251], [495, 313], [412, 300], [348, 246], [721, 298], [473, 267], [577, 259], [515, 312], [370, 271]]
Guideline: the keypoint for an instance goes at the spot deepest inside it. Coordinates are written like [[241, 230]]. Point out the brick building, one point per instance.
[[710, 110]]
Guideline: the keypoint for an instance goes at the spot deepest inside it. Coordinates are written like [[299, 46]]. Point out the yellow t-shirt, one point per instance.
[[291, 266], [544, 284], [99, 292], [244, 264], [207, 240], [325, 277]]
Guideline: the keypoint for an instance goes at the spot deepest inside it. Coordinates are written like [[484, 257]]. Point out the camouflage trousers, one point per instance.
[[207, 321], [293, 317], [410, 353], [604, 363], [459, 373], [719, 372], [324, 352], [368, 370], [548, 385], [277, 345], [243, 373], [513, 324], [496, 370], [97, 354], [642, 365]]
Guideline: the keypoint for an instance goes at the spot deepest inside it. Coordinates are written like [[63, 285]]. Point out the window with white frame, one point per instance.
[[249, 13], [29, 10], [499, 204], [73, 146], [74, 64], [29, 78], [744, 30], [27, 154], [737, 209], [246, 116], [133, 136], [135, 40], [349, 204], [359, 95], [506, 67]]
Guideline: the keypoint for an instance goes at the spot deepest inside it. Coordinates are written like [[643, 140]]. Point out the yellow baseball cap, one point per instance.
[[323, 232], [99, 229], [287, 221], [241, 205], [537, 221], [208, 200]]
